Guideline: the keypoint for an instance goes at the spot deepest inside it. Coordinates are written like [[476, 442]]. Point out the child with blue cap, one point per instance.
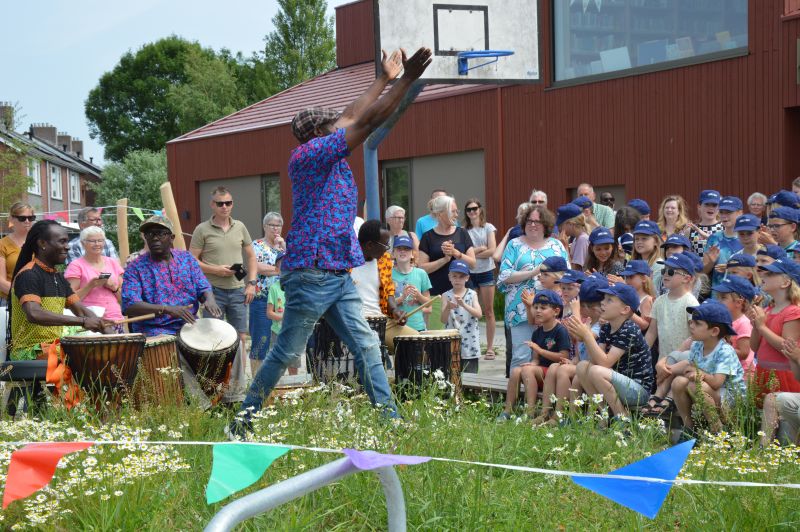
[[412, 286], [637, 275], [603, 254], [708, 224], [461, 311], [737, 294], [722, 244]]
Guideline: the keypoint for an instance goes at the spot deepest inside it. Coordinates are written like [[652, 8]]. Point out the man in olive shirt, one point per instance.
[[218, 244], [602, 214]]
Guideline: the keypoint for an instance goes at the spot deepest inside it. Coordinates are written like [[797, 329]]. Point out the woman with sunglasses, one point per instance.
[[484, 239], [20, 220]]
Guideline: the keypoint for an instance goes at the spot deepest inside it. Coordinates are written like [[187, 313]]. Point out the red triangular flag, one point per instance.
[[33, 466]]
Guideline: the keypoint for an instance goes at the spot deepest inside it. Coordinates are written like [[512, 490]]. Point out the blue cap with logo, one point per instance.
[[555, 264], [636, 267], [709, 196], [640, 205], [772, 250], [730, 204], [696, 259], [548, 297], [736, 284], [567, 212], [600, 235], [647, 227], [403, 241], [583, 202], [681, 261], [741, 259], [572, 276], [747, 222], [786, 266], [626, 293], [712, 311], [459, 266], [590, 289], [785, 198], [626, 242], [785, 213], [677, 240]]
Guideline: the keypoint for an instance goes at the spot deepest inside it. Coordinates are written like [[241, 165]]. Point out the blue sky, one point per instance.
[[54, 52]]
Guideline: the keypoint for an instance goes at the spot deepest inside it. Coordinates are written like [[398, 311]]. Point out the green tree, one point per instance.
[[210, 91], [302, 45], [137, 177], [14, 179]]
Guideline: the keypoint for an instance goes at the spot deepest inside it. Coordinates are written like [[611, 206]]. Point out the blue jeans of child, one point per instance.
[[310, 294]]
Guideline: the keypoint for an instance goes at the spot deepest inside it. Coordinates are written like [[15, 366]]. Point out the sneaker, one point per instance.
[[503, 417], [239, 430]]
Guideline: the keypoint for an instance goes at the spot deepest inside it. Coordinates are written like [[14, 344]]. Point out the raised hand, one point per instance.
[[392, 65], [713, 254], [415, 66]]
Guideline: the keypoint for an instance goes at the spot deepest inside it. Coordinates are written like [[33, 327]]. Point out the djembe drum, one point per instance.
[[104, 362], [209, 346], [417, 357], [330, 359], [160, 381]]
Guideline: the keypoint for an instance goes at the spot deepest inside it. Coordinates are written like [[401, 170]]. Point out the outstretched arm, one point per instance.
[[390, 68]]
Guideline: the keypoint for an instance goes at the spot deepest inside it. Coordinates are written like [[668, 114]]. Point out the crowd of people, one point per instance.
[[650, 310]]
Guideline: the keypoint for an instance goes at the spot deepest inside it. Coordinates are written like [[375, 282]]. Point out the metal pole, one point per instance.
[[295, 487]]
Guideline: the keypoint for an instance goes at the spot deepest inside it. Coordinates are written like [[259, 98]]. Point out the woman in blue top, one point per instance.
[[519, 270]]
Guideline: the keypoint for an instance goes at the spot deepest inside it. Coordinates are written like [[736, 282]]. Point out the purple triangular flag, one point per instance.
[[368, 460]]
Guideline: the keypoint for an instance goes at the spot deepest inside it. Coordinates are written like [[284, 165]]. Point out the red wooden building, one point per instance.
[[727, 118]]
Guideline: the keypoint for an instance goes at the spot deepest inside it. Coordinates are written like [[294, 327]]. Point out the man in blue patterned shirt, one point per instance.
[[322, 247]]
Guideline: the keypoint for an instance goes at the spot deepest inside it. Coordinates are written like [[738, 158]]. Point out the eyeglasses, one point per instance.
[[533, 223], [538, 202], [274, 226], [95, 221], [673, 271], [31, 218], [775, 227], [471, 209], [95, 242], [399, 217], [755, 204], [161, 235], [224, 203]]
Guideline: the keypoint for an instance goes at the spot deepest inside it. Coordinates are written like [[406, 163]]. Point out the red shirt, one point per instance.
[[768, 356]]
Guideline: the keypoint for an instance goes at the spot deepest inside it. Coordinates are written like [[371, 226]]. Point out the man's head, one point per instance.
[[607, 199], [50, 242], [538, 197], [436, 192], [158, 235], [314, 122], [585, 189], [221, 202], [374, 239], [89, 216]]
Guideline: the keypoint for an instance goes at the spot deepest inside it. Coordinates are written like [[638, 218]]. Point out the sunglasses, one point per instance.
[[224, 203], [161, 235], [381, 244], [31, 218], [471, 209], [673, 271], [538, 202]]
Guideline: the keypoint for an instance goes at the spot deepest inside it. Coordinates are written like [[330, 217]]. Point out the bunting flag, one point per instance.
[[32, 467], [369, 460], [638, 495], [234, 467], [138, 212]]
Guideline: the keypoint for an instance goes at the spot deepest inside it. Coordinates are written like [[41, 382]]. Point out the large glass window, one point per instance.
[[595, 37], [271, 194], [397, 187]]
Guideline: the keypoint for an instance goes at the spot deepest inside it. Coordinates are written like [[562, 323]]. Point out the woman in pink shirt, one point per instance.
[[95, 278]]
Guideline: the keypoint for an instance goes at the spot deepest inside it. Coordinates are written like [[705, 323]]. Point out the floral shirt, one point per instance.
[[519, 257], [386, 286], [176, 282], [265, 255], [324, 202], [722, 360]]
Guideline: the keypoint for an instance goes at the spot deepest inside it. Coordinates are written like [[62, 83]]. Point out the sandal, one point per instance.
[[652, 403], [664, 408], [490, 355]]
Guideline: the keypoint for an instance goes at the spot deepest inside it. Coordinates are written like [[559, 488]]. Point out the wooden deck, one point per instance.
[[483, 383]]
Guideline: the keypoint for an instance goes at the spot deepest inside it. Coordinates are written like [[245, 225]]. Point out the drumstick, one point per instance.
[[426, 304], [143, 317]]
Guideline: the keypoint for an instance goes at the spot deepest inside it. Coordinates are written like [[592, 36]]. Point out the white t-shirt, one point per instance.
[[466, 323], [673, 321], [480, 237], [367, 282]]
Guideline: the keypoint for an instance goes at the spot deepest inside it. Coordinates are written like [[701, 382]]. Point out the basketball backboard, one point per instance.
[[450, 28]]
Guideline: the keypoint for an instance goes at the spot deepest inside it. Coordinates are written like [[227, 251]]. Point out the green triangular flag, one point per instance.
[[138, 212], [237, 466]]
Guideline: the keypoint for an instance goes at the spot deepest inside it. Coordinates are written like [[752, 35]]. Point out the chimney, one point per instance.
[[64, 141], [45, 132], [77, 148], [7, 115]]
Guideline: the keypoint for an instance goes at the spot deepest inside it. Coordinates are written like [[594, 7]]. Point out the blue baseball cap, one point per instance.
[[735, 284], [681, 261], [741, 259], [696, 259], [626, 293], [572, 276], [403, 241], [647, 227], [459, 266], [730, 204], [626, 241], [583, 202], [600, 235], [548, 297], [786, 266], [677, 240], [555, 264], [636, 267], [640, 205], [747, 222], [785, 198], [772, 250], [590, 289], [709, 196], [567, 212], [785, 213], [712, 311]]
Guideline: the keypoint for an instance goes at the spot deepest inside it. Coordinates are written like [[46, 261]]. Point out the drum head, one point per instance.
[[160, 339], [441, 333], [209, 334]]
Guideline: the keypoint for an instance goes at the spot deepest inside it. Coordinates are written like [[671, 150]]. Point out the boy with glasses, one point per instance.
[[782, 225]]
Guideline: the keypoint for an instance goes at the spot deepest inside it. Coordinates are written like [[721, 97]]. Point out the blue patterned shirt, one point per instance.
[[722, 360], [324, 203]]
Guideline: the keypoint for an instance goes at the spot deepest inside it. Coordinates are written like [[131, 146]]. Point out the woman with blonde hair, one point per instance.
[[672, 217], [577, 230], [20, 219]]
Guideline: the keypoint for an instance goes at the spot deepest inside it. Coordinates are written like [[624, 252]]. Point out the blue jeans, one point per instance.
[[310, 294], [260, 332]]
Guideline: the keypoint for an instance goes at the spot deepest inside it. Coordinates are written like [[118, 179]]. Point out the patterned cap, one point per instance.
[[162, 221], [306, 121]]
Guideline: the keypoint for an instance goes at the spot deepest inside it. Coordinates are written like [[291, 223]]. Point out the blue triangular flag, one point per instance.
[[641, 496]]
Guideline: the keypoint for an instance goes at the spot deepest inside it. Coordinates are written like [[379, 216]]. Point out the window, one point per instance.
[[270, 194], [55, 182], [397, 187], [594, 37], [74, 187], [35, 173]]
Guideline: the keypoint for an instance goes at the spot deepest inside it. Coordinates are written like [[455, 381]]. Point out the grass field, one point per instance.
[[151, 487]]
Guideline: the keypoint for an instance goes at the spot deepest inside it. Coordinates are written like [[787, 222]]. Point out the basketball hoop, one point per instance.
[[464, 57]]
